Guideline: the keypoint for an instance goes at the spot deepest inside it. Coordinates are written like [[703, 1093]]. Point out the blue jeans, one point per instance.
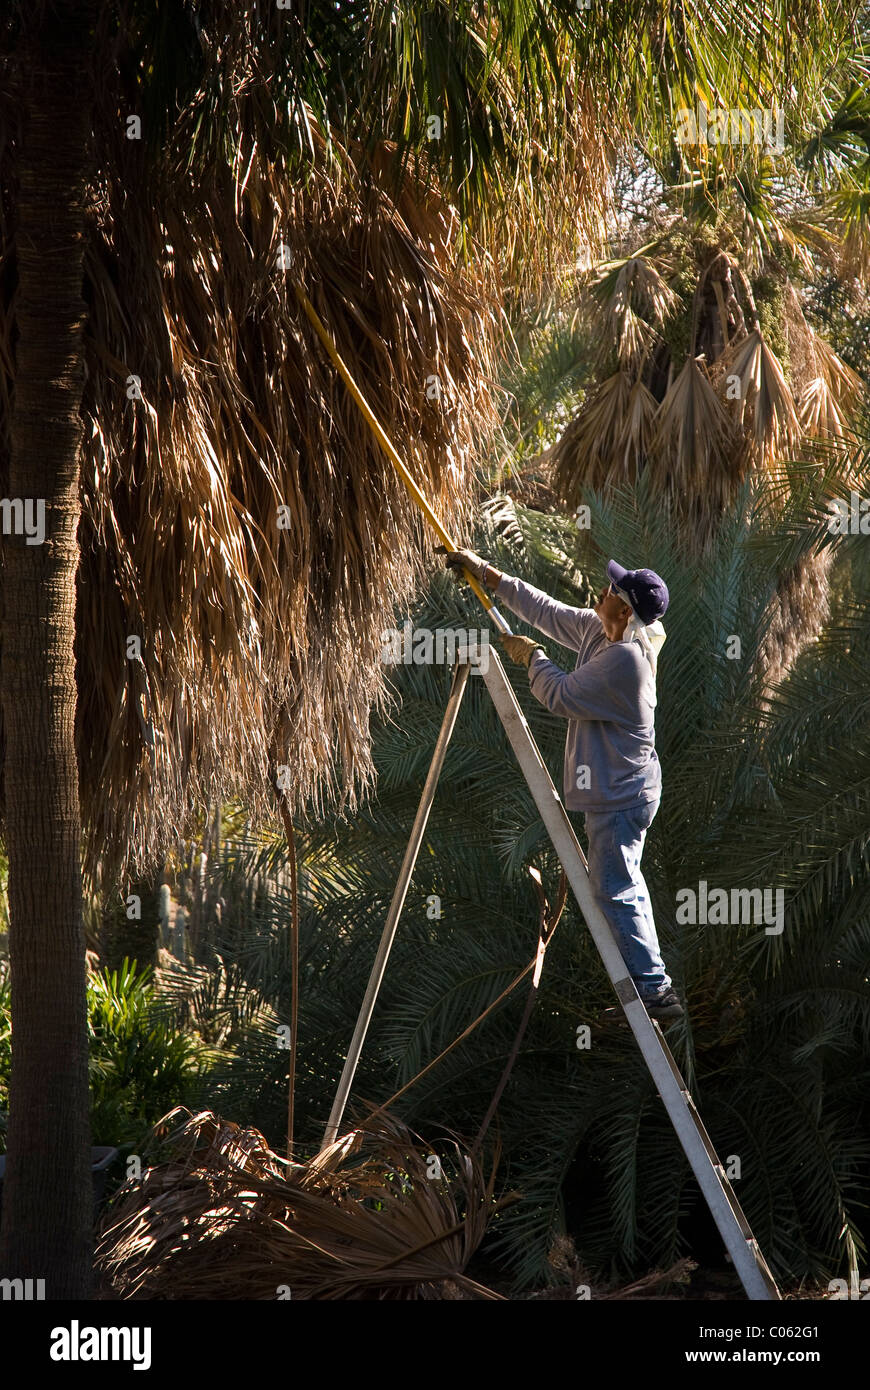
[[615, 847]]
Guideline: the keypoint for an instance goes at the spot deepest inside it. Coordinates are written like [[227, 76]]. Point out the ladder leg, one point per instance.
[[457, 690], [733, 1227]]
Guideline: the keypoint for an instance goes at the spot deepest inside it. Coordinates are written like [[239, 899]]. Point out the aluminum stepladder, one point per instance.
[[733, 1226]]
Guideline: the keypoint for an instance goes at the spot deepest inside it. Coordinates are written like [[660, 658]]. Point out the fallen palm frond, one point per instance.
[[218, 1215], [654, 1284], [575, 1281]]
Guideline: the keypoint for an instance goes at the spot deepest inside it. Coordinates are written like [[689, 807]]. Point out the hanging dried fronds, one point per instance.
[[763, 400], [694, 437], [819, 411], [638, 428], [243, 539], [591, 450], [635, 300], [218, 1215], [561, 196], [828, 400]]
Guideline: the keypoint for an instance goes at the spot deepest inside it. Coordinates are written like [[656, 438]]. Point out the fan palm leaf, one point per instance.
[[592, 447], [693, 439]]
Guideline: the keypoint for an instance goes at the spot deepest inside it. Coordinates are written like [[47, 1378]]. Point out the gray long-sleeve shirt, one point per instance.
[[608, 699]]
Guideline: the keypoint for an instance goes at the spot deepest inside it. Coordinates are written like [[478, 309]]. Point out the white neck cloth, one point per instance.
[[649, 636]]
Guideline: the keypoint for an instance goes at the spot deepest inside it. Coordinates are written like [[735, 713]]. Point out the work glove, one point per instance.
[[467, 560], [521, 649]]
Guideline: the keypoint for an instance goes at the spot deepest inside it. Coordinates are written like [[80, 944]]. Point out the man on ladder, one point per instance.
[[612, 773]]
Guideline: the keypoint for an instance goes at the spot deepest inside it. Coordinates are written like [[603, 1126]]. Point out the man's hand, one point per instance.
[[467, 560], [521, 649]]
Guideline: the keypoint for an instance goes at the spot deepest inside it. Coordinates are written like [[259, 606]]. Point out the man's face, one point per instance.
[[610, 605]]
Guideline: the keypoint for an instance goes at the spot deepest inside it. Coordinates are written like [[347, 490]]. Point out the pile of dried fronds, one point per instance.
[[219, 1215]]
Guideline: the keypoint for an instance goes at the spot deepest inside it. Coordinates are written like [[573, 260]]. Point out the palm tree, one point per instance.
[[232, 515], [707, 366], [48, 1095]]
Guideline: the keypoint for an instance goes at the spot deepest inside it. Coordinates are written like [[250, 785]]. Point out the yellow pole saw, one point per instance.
[[387, 446]]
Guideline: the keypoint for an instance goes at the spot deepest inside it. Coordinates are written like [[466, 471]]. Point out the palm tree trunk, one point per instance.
[[47, 1197]]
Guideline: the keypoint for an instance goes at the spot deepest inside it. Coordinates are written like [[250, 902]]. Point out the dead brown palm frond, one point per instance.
[[635, 338], [845, 385], [657, 1282], [592, 451], [637, 280], [638, 427], [218, 1215], [635, 299], [561, 197], [763, 402], [828, 401], [819, 412], [694, 440]]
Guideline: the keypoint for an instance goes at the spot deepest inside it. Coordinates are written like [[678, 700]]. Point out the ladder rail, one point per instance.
[[448, 724]]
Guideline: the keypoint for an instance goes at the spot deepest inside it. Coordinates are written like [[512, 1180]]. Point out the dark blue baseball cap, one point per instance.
[[647, 591]]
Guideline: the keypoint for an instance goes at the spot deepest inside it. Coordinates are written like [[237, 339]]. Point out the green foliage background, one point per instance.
[[776, 1041]]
